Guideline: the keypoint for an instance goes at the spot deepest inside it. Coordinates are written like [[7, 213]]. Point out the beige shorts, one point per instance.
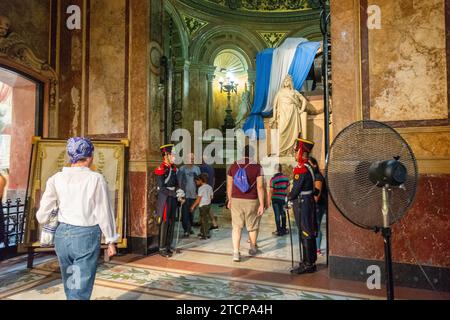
[[244, 212]]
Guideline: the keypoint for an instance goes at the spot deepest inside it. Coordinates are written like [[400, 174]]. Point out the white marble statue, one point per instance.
[[289, 116]]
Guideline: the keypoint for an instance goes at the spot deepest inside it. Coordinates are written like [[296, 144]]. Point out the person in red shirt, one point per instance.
[[247, 207]]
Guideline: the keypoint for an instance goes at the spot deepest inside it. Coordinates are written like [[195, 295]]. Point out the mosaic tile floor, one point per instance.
[[275, 252], [129, 281], [123, 281]]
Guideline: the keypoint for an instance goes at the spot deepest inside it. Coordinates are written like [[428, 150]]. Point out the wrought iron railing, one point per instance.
[[13, 219]]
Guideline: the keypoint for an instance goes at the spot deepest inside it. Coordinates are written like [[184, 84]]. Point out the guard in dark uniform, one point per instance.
[[167, 203], [302, 200]]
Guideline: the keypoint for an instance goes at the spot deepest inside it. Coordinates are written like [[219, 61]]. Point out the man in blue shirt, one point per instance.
[[186, 180]]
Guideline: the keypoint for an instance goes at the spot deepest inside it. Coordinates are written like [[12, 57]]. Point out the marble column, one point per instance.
[[198, 96], [144, 123]]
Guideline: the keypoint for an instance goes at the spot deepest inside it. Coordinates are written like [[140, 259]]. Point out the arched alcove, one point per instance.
[[234, 64]]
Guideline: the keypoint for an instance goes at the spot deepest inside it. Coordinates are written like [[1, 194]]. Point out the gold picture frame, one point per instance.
[[48, 157]]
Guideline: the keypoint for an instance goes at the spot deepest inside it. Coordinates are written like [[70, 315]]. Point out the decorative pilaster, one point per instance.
[[210, 79], [180, 91]]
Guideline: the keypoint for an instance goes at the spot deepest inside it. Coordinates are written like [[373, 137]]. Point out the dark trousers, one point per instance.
[[320, 210], [305, 217], [205, 220], [2, 225], [309, 251], [188, 216], [280, 215], [167, 227]]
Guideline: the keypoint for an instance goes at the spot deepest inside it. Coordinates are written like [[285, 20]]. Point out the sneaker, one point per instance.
[[236, 257], [253, 252], [214, 228], [186, 235]]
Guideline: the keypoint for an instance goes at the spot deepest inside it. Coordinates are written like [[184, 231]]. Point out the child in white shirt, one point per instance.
[[204, 198]]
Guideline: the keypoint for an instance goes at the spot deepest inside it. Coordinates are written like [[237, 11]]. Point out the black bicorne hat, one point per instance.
[[305, 145], [167, 148]]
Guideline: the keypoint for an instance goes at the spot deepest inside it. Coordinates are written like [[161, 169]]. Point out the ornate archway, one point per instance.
[[205, 44]]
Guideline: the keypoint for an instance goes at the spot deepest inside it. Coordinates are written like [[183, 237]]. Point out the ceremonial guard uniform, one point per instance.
[[166, 207], [302, 199]]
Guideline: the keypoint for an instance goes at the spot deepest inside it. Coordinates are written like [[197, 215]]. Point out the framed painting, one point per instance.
[[49, 157]]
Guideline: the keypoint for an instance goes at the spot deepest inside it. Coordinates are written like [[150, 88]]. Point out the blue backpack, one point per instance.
[[240, 179]]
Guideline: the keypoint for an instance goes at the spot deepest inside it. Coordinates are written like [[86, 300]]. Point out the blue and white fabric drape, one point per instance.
[[294, 57], [282, 60], [254, 122], [302, 62]]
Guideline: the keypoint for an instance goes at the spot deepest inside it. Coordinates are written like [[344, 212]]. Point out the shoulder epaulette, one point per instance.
[[300, 169], [160, 170]]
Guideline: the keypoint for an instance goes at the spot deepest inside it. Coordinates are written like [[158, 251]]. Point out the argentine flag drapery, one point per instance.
[[295, 57]]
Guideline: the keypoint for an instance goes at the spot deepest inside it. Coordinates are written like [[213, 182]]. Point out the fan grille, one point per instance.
[[351, 154]]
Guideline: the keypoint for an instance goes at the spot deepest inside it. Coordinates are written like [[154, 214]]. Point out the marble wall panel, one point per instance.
[[138, 204], [422, 235], [70, 67], [407, 62], [139, 111], [107, 106]]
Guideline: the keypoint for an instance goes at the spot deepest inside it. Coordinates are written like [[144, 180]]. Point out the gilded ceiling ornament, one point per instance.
[[273, 39], [265, 5], [193, 24]]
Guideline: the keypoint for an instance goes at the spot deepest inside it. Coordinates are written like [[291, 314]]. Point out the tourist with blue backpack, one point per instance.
[[245, 191]]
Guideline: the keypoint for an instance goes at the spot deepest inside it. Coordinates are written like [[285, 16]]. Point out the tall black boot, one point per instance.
[[163, 239], [169, 237]]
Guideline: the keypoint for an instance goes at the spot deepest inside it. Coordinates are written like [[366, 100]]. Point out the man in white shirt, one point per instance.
[[84, 213]]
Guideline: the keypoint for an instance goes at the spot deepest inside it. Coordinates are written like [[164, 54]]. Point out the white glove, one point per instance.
[[180, 195], [290, 204]]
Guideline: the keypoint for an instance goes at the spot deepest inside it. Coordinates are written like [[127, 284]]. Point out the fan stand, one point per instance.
[[386, 233]]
